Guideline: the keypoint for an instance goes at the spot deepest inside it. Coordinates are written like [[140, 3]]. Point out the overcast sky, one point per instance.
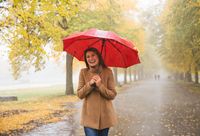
[[145, 4]]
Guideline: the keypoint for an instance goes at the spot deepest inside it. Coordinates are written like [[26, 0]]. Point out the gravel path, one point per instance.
[[157, 108], [145, 108]]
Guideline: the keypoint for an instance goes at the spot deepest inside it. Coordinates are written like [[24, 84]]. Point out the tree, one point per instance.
[[32, 25], [181, 49]]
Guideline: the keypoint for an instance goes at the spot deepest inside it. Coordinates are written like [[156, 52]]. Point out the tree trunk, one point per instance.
[[181, 76], [115, 76], [135, 75], [188, 76], [69, 77], [196, 75], [125, 76], [142, 73], [130, 75], [139, 74]]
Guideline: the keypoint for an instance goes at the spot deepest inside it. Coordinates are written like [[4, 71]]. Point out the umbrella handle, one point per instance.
[[103, 44]]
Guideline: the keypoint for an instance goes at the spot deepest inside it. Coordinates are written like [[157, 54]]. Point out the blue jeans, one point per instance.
[[95, 132]]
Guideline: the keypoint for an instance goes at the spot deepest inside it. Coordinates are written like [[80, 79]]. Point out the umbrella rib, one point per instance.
[[91, 45], [117, 50], [123, 45], [81, 40], [94, 43], [105, 51]]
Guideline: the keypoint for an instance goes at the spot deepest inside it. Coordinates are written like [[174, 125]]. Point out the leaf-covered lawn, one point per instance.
[[28, 93], [21, 116], [191, 86]]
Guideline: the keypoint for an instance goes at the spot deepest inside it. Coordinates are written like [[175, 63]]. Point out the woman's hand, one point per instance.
[[91, 82], [97, 80]]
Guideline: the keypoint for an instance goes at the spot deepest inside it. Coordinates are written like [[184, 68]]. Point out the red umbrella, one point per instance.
[[116, 51]]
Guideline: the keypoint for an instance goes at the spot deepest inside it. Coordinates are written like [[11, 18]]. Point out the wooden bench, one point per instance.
[[8, 98]]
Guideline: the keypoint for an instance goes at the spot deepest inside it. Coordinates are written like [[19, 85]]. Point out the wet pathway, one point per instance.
[[145, 108], [157, 108]]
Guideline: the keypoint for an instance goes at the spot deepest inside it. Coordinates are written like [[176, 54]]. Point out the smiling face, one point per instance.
[[92, 59]]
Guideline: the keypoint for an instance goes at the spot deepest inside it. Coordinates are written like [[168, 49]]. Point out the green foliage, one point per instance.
[[96, 14], [181, 49], [31, 26]]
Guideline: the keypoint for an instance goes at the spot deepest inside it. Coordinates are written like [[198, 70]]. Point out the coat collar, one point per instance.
[[100, 69]]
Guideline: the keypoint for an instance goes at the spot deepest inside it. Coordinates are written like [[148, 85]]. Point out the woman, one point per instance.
[[97, 88]]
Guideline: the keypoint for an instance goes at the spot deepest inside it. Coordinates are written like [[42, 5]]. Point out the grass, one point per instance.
[[191, 86], [35, 93], [35, 107], [17, 117]]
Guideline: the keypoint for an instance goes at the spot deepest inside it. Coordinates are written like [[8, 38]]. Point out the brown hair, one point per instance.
[[101, 62]]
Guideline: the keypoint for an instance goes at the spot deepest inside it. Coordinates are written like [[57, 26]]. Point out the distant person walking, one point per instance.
[[155, 77], [97, 89], [158, 77]]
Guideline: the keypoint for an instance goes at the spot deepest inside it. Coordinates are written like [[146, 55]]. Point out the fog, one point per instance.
[[54, 72]]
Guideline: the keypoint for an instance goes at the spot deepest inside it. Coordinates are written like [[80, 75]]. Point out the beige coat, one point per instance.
[[97, 110]]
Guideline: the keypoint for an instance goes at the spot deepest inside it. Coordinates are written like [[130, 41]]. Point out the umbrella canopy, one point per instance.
[[116, 51]]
